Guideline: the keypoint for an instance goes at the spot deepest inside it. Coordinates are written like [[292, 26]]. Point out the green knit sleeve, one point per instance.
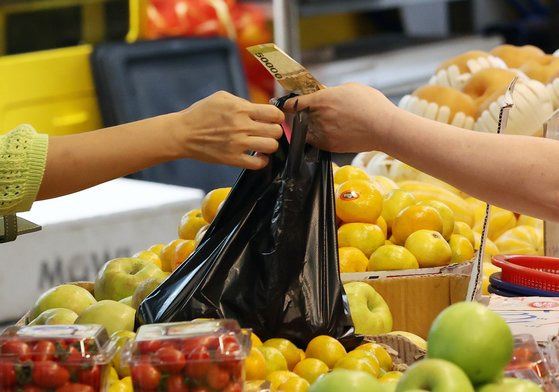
[[23, 156]]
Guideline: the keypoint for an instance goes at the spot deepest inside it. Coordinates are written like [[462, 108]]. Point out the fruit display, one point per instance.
[[291, 369], [408, 221], [69, 358], [199, 355], [411, 193], [385, 225]]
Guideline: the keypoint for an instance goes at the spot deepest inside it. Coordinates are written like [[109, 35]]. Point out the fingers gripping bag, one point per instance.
[[269, 259]]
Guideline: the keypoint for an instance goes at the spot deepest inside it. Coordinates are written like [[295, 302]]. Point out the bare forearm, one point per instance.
[[514, 172], [218, 129], [76, 162]]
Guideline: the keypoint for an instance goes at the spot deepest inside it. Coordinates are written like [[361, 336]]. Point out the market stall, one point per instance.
[[303, 275]]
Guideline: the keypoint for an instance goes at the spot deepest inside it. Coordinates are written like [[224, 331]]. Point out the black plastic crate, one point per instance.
[[149, 78]]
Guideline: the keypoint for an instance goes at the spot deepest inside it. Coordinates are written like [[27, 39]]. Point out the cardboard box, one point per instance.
[[415, 301], [84, 230]]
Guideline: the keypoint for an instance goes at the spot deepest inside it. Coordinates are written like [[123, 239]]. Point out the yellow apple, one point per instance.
[[429, 248]]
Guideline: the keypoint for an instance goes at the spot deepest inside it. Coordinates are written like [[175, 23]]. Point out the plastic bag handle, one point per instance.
[[298, 137], [298, 141]]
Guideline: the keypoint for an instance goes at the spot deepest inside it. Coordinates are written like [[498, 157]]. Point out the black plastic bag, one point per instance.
[[269, 259]]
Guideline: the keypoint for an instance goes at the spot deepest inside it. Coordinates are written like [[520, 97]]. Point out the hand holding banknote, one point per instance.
[[291, 75], [342, 118]]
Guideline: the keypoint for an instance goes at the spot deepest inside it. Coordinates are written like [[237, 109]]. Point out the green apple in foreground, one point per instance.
[[511, 385], [473, 337], [435, 375], [55, 316], [68, 296], [119, 277], [144, 289], [113, 315], [389, 386], [369, 311], [346, 380]]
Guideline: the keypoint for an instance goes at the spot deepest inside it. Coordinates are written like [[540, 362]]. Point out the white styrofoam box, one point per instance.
[[84, 230], [401, 71]]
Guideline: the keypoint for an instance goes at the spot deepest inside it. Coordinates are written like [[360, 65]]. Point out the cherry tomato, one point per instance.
[[71, 355], [192, 344], [49, 374], [90, 376], [234, 388], [235, 367], [217, 377], [198, 362], [201, 389], [7, 375], [145, 376], [522, 354], [18, 348], [43, 350], [32, 388], [175, 383], [61, 345], [89, 346], [229, 347], [149, 346], [74, 387], [170, 359]]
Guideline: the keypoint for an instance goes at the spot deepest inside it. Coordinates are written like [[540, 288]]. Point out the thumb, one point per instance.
[[297, 103]]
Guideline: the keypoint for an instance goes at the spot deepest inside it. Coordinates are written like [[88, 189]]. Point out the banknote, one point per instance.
[[291, 75]]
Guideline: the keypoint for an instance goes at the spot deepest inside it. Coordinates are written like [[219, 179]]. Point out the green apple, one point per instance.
[[435, 375], [68, 296], [55, 316], [113, 315], [473, 337], [126, 301], [369, 311], [508, 384], [144, 289], [121, 337], [346, 380], [389, 386], [119, 277]]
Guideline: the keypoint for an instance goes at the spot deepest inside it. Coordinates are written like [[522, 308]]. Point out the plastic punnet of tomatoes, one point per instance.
[[528, 362], [204, 355], [61, 358]]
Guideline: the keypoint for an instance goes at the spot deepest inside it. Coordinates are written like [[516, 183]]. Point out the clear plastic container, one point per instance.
[[205, 355], [528, 362], [61, 358]]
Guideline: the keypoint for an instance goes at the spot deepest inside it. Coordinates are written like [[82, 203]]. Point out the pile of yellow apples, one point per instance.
[[416, 221], [288, 368]]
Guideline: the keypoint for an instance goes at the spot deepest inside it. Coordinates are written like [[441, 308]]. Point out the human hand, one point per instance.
[[347, 118], [223, 128]]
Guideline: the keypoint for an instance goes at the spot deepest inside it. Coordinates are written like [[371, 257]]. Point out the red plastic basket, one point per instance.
[[538, 272]]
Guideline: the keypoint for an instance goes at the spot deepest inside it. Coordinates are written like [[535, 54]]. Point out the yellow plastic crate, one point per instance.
[[52, 90]]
